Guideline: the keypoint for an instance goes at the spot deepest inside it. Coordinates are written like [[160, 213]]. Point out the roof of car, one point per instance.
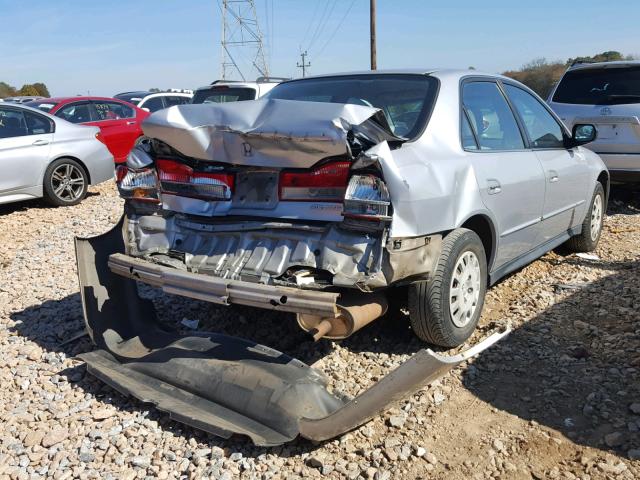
[[76, 99], [452, 72], [620, 63]]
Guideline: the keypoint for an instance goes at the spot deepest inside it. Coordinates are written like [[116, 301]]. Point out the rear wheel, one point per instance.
[[445, 310], [588, 239], [65, 182]]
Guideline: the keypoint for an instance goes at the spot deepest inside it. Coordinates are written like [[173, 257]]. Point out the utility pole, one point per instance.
[[372, 31], [303, 65], [241, 37]]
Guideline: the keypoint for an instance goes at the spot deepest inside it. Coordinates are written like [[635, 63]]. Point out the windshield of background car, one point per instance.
[[405, 99], [41, 105], [224, 94], [135, 97], [600, 86]]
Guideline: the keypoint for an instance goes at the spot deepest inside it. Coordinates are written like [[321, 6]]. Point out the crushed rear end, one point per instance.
[[273, 204]]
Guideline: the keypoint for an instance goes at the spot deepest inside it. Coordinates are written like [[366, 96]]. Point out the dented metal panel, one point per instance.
[[266, 133], [256, 251]]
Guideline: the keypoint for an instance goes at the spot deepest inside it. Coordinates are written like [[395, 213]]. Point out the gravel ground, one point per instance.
[[559, 398]]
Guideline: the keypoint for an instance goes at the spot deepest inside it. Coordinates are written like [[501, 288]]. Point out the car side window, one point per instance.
[[491, 117], [153, 104], [543, 130], [37, 125], [171, 101], [75, 112], [113, 111], [12, 123]]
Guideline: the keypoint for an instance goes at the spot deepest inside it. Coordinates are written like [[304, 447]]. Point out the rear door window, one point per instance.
[[490, 116], [153, 104], [599, 86], [37, 125], [113, 111], [12, 123], [175, 100], [79, 112], [543, 130]]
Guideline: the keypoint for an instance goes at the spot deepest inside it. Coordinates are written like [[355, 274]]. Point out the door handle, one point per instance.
[[494, 186], [131, 123], [39, 143], [553, 176]]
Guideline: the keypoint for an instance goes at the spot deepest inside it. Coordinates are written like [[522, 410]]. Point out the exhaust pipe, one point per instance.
[[354, 312]]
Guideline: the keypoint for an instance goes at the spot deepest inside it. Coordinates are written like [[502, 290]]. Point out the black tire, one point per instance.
[[429, 301], [65, 183], [588, 240]]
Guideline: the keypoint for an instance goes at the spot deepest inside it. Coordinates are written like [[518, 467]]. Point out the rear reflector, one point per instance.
[[137, 184], [367, 197], [327, 183], [180, 179]]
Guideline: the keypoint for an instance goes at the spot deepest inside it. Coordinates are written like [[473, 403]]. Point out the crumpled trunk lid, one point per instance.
[[268, 133]]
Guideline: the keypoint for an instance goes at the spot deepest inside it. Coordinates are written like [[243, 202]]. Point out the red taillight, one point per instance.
[[180, 179], [327, 183]]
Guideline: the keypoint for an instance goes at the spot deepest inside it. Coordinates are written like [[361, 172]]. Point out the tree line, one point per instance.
[[29, 89], [541, 75]]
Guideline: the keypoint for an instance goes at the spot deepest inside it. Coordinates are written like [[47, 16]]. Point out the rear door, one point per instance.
[[510, 176], [119, 127], [25, 140], [566, 171]]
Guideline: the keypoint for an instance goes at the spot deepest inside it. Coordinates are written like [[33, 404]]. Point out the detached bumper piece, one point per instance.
[[216, 383]]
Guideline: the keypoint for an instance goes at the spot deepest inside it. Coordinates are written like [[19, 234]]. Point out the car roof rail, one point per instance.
[[580, 62], [272, 79]]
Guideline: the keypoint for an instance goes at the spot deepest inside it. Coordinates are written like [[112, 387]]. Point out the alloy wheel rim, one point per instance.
[[596, 217], [67, 182], [464, 291]]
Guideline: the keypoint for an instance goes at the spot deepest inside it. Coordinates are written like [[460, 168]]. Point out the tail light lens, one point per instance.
[[137, 184], [367, 196], [327, 183], [180, 179]]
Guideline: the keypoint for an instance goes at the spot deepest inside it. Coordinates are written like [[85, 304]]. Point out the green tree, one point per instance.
[[28, 90], [6, 90], [42, 89]]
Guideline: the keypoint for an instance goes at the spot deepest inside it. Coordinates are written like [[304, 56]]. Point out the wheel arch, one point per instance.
[[484, 227], [604, 179]]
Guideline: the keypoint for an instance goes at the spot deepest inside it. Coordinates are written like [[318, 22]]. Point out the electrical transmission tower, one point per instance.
[[241, 38]]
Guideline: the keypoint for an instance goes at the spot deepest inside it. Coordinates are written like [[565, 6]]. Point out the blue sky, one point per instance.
[[75, 46]]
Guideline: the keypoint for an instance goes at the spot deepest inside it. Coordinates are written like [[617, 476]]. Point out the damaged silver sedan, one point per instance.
[[335, 198]]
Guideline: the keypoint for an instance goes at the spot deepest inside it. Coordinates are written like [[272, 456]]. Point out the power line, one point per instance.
[[313, 17], [321, 22], [332, 36]]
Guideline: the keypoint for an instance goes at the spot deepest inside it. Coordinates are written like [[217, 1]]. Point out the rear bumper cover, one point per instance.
[[221, 384]]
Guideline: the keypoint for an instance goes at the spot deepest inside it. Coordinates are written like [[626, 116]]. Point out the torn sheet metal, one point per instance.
[[257, 251], [221, 384], [266, 133]]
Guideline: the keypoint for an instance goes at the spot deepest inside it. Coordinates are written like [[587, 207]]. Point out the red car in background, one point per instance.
[[119, 121]]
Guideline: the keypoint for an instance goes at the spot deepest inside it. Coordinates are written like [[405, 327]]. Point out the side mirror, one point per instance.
[[146, 109], [582, 134]]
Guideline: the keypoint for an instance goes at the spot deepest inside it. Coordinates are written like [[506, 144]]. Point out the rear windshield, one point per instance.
[[406, 100], [223, 94], [600, 86], [41, 105]]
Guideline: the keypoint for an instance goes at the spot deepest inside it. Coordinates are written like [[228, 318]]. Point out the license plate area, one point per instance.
[[256, 189]]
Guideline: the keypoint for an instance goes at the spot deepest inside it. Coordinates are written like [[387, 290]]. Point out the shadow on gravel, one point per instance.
[[624, 200], [575, 367], [24, 205]]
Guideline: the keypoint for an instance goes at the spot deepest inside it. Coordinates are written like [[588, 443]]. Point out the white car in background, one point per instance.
[[22, 99], [223, 91], [152, 102], [46, 156]]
